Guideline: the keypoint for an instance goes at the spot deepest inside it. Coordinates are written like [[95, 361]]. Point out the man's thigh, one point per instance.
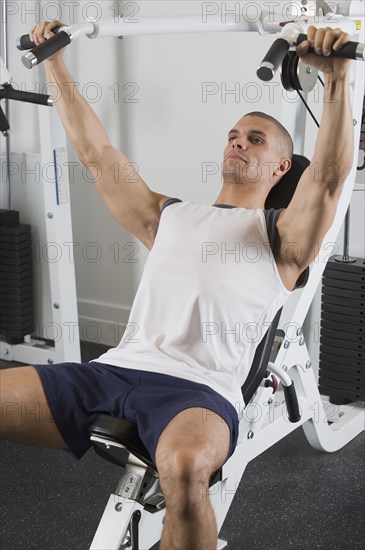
[[25, 413], [179, 415]]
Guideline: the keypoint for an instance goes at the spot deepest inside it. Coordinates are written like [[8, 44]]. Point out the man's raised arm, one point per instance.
[[334, 150], [312, 209], [123, 191]]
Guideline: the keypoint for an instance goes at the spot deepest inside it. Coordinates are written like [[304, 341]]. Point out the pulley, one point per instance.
[[296, 75]]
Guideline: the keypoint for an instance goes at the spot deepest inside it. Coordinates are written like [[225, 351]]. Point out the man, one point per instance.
[[174, 375]]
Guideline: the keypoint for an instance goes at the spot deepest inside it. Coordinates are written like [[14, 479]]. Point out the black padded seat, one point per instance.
[[123, 432]]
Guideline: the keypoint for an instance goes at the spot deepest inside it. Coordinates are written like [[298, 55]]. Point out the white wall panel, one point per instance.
[[166, 126]]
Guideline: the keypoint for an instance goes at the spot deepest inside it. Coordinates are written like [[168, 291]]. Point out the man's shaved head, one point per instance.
[[285, 142]]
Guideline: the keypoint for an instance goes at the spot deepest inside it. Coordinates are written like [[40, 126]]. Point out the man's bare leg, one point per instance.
[[191, 448], [25, 416], [190, 522]]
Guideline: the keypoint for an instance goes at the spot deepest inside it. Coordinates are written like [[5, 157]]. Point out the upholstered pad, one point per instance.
[[122, 432]]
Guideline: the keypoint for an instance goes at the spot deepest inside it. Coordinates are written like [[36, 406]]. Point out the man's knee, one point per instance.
[[184, 471]]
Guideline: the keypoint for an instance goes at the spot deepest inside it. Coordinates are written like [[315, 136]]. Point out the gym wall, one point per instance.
[[168, 103]]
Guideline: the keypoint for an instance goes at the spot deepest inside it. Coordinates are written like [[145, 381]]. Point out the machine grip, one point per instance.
[[351, 50], [291, 401], [45, 50], [24, 42], [273, 59], [28, 97]]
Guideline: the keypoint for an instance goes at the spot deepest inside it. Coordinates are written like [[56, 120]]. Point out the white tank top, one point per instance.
[[209, 291]]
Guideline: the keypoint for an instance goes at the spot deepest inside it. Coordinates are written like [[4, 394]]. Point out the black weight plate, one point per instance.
[[9, 297], [19, 285], [11, 317], [335, 393], [346, 320], [16, 262], [339, 277], [17, 303], [342, 361], [347, 285], [357, 391], [18, 254], [341, 336], [13, 242], [355, 267], [19, 308], [7, 277], [343, 327], [16, 323], [340, 346], [340, 385], [343, 376], [345, 353], [7, 292], [19, 325], [343, 293], [347, 302], [14, 231], [342, 310], [12, 269], [358, 372], [9, 249]]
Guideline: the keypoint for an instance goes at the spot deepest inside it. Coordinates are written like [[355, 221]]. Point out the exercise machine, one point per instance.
[[38, 316], [133, 517]]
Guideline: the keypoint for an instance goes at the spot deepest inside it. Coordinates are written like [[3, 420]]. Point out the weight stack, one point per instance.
[[16, 281], [341, 358]]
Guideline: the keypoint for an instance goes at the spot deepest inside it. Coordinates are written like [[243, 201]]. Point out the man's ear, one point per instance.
[[283, 168]]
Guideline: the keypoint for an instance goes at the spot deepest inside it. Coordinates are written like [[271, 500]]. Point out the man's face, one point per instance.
[[253, 152]]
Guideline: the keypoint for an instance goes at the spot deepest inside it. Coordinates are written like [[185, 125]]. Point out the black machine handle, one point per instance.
[[351, 50], [273, 59], [4, 124], [280, 47], [45, 50], [136, 517], [8, 92], [291, 401], [25, 43]]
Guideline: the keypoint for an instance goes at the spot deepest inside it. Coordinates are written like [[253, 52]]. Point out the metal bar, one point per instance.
[[58, 223], [169, 25], [7, 137], [346, 235], [266, 23]]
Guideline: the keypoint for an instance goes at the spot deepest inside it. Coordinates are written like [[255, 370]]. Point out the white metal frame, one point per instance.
[[62, 320], [328, 427], [269, 22], [57, 228]]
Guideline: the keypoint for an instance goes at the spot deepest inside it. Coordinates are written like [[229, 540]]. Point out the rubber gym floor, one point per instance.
[[290, 497]]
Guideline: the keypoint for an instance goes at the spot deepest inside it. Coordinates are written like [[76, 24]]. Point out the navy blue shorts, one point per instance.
[[78, 392]]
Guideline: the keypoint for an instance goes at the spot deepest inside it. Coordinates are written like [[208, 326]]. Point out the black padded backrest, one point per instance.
[[261, 358], [281, 195]]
